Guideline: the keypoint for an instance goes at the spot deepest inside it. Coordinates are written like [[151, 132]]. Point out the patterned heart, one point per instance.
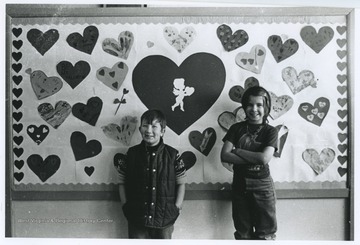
[[119, 49], [226, 119], [86, 42], [113, 77], [316, 40], [43, 85], [319, 162], [83, 149], [282, 136], [89, 170], [73, 75], [42, 42], [252, 61], [155, 75], [297, 82], [44, 169], [204, 141], [54, 116], [280, 105], [229, 40], [280, 50], [179, 41], [317, 113], [90, 112], [37, 134], [121, 133], [237, 91], [189, 159]]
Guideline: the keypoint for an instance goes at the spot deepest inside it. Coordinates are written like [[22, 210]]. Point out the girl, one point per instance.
[[249, 147]]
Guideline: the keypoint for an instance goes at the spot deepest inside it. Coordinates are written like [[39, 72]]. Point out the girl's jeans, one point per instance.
[[254, 211]]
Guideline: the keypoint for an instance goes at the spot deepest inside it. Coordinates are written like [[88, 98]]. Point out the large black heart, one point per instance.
[[44, 169], [153, 81], [90, 112], [73, 75], [83, 149], [41, 41]]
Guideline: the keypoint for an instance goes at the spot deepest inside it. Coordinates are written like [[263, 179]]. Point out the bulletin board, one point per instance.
[[78, 81]]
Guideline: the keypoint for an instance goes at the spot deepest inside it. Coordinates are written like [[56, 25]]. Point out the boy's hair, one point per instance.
[[257, 91], [153, 114]]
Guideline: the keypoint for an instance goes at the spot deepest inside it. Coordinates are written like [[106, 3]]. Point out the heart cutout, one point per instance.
[[44, 169], [38, 134], [296, 82], [280, 50], [17, 92], [341, 78], [19, 164], [89, 170], [90, 112], [319, 162], [73, 75], [19, 176], [321, 107], [283, 132], [237, 91], [17, 44], [83, 149], [342, 171], [342, 125], [229, 40], [17, 104], [119, 49], [41, 41], [316, 40], [189, 159], [18, 139], [16, 31], [17, 67], [18, 151], [280, 105], [341, 29], [17, 116], [86, 42], [16, 56], [342, 159], [226, 119], [204, 141], [17, 79], [121, 133], [17, 127], [42, 85], [252, 61], [156, 75], [54, 116], [113, 77], [179, 41]]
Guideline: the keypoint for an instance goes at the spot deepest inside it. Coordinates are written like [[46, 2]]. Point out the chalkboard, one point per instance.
[[78, 81]]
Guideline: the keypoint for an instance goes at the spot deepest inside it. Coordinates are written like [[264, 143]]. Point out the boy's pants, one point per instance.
[[141, 232], [254, 211]]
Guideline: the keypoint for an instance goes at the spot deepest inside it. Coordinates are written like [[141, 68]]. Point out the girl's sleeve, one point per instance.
[[180, 170], [272, 139], [230, 135]]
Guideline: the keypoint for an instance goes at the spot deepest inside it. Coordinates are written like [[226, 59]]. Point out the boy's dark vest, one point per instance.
[[151, 186]]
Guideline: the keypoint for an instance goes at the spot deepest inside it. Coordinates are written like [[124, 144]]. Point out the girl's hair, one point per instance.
[[257, 91], [151, 115]]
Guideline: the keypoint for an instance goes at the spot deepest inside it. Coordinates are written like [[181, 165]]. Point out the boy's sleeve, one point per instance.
[[180, 170], [121, 168]]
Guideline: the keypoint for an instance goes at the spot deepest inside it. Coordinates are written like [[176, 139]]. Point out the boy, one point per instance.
[[152, 182]]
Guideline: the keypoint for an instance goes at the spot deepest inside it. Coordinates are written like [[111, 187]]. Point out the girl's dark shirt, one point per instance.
[[254, 138]]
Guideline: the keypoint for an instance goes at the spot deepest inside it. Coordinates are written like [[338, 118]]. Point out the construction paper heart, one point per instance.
[[43, 85], [44, 169], [237, 91], [18, 127], [19, 176], [17, 44], [315, 113], [341, 29], [179, 41], [280, 105], [89, 170], [73, 75], [342, 159], [189, 159], [342, 125], [229, 40], [16, 31], [342, 148], [54, 116], [341, 42], [252, 61], [342, 113], [340, 65], [341, 78], [41, 41], [18, 151], [150, 44], [16, 56], [123, 132], [90, 112], [17, 116], [204, 141], [119, 49], [17, 104], [342, 171], [120, 162], [19, 164], [342, 89], [86, 42], [17, 79], [282, 136], [319, 162], [16, 67], [18, 139], [342, 101], [342, 137], [280, 50], [83, 149], [17, 92], [37, 134], [296, 82], [113, 77], [341, 53], [316, 40], [155, 75], [226, 119]]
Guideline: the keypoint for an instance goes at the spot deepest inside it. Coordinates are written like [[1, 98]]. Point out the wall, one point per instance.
[[298, 219]]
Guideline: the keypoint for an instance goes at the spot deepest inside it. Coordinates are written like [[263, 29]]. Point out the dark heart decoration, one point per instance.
[[42, 85], [19, 176], [44, 169], [17, 127], [85, 43], [281, 50], [229, 40], [315, 113], [17, 116], [89, 170], [342, 159], [17, 67], [204, 141], [37, 134], [73, 75], [203, 73], [189, 159], [342, 171], [16, 56], [17, 44], [17, 79], [19, 164], [83, 149], [55, 116], [17, 104], [90, 112], [16, 31], [18, 139], [18, 151], [236, 92], [41, 41], [316, 40], [17, 92]]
